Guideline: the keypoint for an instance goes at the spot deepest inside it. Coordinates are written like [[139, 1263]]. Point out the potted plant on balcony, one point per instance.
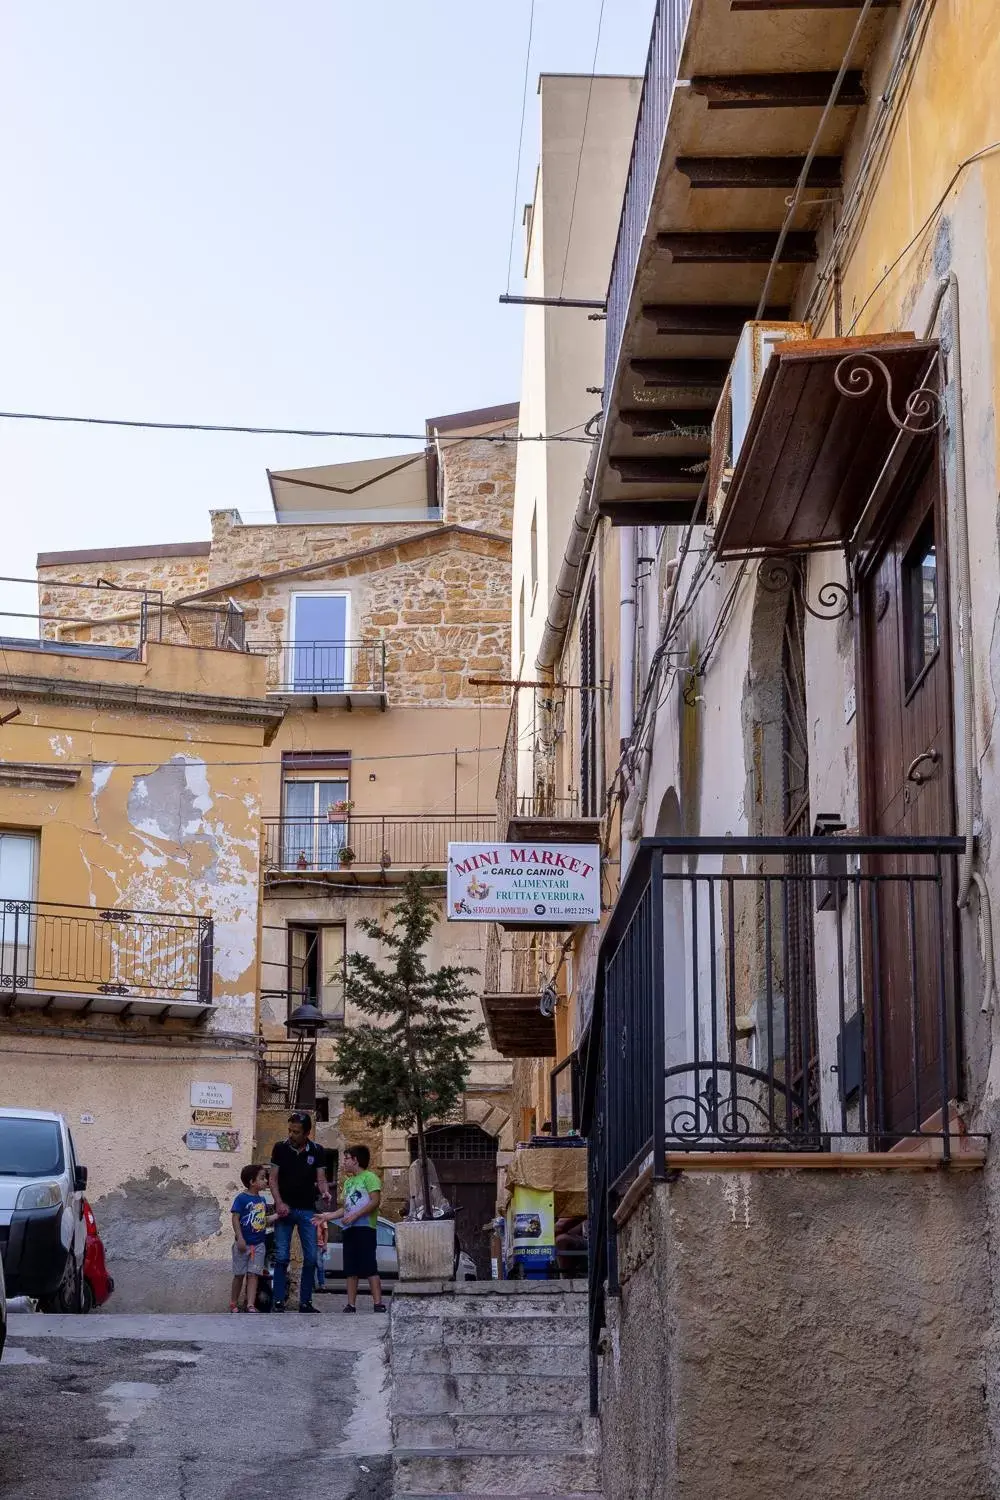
[[338, 811], [410, 1062], [346, 856]]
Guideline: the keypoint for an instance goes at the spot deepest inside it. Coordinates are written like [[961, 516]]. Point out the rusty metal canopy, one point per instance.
[[826, 420], [517, 1027]]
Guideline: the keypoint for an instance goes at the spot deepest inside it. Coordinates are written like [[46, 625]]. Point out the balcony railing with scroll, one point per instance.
[[381, 843]]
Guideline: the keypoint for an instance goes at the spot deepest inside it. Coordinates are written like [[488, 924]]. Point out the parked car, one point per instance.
[[42, 1229], [3, 1311], [98, 1284], [386, 1255]]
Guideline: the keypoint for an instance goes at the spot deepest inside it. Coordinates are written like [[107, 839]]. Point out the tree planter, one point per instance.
[[426, 1249]]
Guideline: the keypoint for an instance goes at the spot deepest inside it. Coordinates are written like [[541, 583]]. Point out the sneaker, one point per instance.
[[379, 1307], [348, 1308], [277, 1307], [306, 1307]]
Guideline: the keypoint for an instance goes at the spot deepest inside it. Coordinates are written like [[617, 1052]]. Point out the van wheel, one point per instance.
[[88, 1296], [68, 1297]]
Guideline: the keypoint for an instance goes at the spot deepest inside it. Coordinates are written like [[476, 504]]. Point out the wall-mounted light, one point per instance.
[[371, 775]]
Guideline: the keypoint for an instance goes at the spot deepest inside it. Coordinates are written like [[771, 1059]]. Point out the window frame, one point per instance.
[[305, 995]]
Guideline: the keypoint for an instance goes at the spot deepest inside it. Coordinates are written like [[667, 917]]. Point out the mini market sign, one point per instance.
[[537, 884]]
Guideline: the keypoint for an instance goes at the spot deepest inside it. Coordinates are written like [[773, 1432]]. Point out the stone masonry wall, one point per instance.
[[478, 484], [176, 577], [800, 1333]]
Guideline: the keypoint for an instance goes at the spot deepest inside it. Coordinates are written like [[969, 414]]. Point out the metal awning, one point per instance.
[[77, 1002], [517, 1027], [829, 420]]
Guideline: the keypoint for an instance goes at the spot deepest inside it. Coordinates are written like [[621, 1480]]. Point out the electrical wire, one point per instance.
[[312, 432], [520, 144], [97, 763], [803, 177], [583, 142], [962, 167]]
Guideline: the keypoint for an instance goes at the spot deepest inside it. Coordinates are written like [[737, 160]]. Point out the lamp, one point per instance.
[[305, 1020]]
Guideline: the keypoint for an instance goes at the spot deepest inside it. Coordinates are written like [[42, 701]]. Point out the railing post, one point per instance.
[[206, 958], [658, 1061]]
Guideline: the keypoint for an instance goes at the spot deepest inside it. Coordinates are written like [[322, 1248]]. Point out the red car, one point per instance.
[[97, 1283]]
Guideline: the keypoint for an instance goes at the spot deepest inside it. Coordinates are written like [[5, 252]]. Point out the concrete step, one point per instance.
[[543, 1432], [491, 1304], [421, 1393], [472, 1330], [491, 1357], [458, 1471], [519, 1495]]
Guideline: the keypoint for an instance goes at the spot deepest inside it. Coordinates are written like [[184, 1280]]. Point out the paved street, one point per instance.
[[194, 1408]]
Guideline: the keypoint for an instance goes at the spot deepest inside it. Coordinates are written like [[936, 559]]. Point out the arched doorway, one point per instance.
[[466, 1161]]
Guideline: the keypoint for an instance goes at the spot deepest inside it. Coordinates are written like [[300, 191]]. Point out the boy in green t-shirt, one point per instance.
[[359, 1217]]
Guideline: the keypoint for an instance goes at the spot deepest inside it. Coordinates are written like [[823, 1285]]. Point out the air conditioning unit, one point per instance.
[[732, 415]]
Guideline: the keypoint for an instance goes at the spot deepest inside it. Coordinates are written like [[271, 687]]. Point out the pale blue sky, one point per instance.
[[280, 214]]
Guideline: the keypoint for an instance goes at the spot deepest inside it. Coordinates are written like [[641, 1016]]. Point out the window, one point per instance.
[[921, 605], [313, 829], [590, 799], [316, 967], [534, 551], [318, 652], [18, 861]]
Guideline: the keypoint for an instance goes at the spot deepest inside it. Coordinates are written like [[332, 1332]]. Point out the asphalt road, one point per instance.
[[195, 1408]]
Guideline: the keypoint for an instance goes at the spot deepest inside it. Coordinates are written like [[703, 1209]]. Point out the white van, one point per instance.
[[42, 1229]]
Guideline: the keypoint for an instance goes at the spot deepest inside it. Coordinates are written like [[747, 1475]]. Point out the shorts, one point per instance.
[[360, 1251], [249, 1261]]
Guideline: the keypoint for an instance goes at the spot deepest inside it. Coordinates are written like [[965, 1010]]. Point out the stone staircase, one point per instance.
[[490, 1392]]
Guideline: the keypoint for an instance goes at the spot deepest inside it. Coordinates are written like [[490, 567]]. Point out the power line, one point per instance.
[[314, 432], [520, 142], [96, 762], [583, 142]]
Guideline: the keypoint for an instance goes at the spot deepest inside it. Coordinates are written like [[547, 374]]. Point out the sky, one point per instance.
[[271, 214]]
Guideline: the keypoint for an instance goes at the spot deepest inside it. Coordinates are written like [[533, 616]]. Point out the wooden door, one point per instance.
[[907, 789]]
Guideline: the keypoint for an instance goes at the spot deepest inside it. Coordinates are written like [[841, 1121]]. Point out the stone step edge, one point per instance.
[[400, 1454], [508, 1495], [576, 1287]]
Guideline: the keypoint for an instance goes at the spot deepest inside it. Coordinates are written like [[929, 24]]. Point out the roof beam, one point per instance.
[[707, 320], [660, 470], [779, 90], [782, 5], [682, 374], [666, 421], [758, 171], [738, 247]]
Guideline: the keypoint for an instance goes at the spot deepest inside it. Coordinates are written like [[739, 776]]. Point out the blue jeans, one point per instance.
[[302, 1220]]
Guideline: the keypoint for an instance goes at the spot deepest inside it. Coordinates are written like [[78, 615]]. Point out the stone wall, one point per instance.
[[800, 1333], [478, 484]]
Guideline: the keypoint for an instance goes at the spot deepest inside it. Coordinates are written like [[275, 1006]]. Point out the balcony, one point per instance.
[[513, 980], [286, 1074], [528, 760], [713, 164], [366, 848], [57, 959], [326, 674]]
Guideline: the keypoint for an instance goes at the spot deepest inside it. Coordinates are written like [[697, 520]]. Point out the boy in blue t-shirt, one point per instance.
[[250, 1221]]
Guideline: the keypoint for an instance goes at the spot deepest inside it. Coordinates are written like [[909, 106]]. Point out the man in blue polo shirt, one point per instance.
[[297, 1179]]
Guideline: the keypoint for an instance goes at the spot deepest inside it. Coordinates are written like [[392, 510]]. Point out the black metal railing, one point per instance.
[[705, 1034], [408, 841], [669, 23], [323, 667], [286, 1074], [80, 950]]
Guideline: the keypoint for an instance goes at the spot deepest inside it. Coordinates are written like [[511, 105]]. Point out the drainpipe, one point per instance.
[[557, 619], [969, 877]]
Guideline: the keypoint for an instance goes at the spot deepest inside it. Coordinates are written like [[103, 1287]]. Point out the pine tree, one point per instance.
[[410, 1063]]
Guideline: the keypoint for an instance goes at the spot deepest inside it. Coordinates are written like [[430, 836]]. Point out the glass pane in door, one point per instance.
[[17, 889], [298, 827], [319, 651], [331, 827]]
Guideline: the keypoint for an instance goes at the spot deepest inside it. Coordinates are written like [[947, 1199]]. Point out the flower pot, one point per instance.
[[426, 1249], [346, 858]]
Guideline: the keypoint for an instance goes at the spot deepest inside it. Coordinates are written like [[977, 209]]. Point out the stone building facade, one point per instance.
[[408, 735]]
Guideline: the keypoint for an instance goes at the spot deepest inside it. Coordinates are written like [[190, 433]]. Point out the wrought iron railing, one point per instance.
[[527, 782], [323, 667], [392, 841], [704, 1033], [514, 962], [286, 1074], [669, 22], [81, 950]]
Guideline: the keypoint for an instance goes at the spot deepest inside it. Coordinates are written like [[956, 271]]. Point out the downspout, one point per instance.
[[626, 642], [557, 619], [969, 877]]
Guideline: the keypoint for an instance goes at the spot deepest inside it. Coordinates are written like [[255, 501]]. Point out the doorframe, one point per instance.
[[921, 457]]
